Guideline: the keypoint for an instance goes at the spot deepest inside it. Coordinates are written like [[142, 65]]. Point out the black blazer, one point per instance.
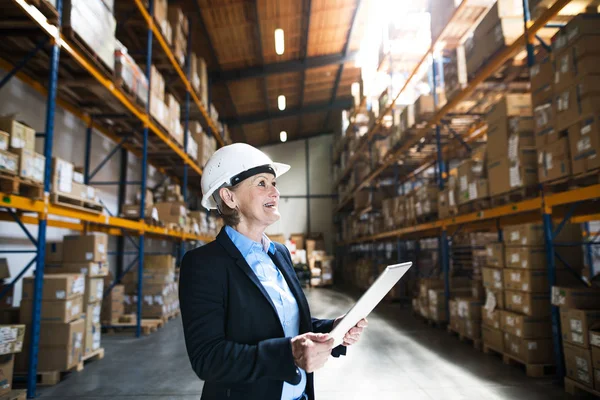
[[233, 334]]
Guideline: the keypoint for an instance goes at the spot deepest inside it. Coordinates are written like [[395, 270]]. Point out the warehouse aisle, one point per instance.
[[395, 360]]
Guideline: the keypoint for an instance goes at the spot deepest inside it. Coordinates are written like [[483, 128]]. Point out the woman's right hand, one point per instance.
[[311, 350]]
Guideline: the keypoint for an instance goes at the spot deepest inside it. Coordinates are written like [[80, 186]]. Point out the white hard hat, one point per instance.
[[232, 164]]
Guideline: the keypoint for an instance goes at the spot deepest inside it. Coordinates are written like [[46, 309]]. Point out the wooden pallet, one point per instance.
[[579, 389], [13, 184], [474, 206], [66, 200], [51, 378], [477, 343], [514, 196], [532, 370], [94, 355], [487, 349], [572, 182], [427, 218], [149, 326], [81, 45], [14, 395]]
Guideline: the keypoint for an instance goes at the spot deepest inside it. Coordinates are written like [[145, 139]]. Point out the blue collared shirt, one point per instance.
[[256, 255]]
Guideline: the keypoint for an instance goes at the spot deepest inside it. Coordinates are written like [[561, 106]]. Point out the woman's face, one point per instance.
[[258, 199]]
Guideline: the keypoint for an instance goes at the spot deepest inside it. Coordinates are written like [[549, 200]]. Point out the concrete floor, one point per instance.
[[398, 357]]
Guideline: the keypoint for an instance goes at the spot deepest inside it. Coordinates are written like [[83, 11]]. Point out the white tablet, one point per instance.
[[369, 300]]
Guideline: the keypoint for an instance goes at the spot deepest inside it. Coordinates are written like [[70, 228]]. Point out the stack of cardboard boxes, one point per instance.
[[160, 295], [502, 25], [426, 204], [525, 322], [113, 303], [129, 74], [66, 181], [11, 343], [180, 29], [566, 96], [580, 331], [133, 210], [494, 304], [86, 255], [7, 301], [17, 150], [62, 330], [160, 15], [511, 153], [207, 145], [472, 178], [447, 198], [468, 317], [199, 77], [320, 263]]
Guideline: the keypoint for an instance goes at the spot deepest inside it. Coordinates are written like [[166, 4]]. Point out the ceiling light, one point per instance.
[[283, 136], [281, 102], [279, 42]]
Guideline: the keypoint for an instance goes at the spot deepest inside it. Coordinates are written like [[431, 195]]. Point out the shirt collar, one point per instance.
[[245, 245]]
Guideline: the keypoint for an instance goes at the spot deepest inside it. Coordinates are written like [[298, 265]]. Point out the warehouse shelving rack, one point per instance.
[[26, 18], [578, 205]]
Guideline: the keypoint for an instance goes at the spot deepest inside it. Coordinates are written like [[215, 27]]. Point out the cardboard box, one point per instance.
[[525, 327], [580, 25], [11, 339], [112, 304], [584, 138], [54, 252], [65, 350], [161, 262], [575, 325], [21, 135], [576, 101], [62, 175], [93, 338], [542, 78], [94, 269], [94, 290], [530, 351], [4, 140], [62, 311], [495, 254], [472, 329], [545, 124], [9, 162], [7, 363], [505, 175], [314, 244], [469, 308], [532, 234], [582, 298], [532, 304], [577, 63], [492, 278], [56, 287], [85, 248], [535, 281], [495, 297], [31, 164], [493, 338], [554, 161], [526, 257], [491, 318], [578, 364]]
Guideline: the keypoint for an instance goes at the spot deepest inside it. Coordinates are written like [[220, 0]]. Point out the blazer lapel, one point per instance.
[[289, 274], [226, 242]]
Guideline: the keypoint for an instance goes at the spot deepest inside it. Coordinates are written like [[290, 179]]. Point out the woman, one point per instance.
[[247, 324]]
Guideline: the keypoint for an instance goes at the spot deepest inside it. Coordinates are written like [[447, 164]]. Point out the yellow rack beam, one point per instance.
[[525, 206], [99, 222], [188, 86], [485, 73], [108, 84]]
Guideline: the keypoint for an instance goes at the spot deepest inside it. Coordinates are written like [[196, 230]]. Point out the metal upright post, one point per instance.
[[88, 151], [122, 190], [186, 124], [589, 257], [551, 265], [529, 45], [144, 178], [444, 250], [42, 224]]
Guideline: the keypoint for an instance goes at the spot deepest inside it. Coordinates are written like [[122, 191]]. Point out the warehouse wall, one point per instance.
[[69, 144], [294, 213]]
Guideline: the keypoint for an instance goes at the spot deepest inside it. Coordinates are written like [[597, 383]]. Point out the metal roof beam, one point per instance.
[[283, 67], [289, 112]]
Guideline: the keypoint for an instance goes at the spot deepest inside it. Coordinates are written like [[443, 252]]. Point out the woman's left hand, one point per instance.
[[353, 335]]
